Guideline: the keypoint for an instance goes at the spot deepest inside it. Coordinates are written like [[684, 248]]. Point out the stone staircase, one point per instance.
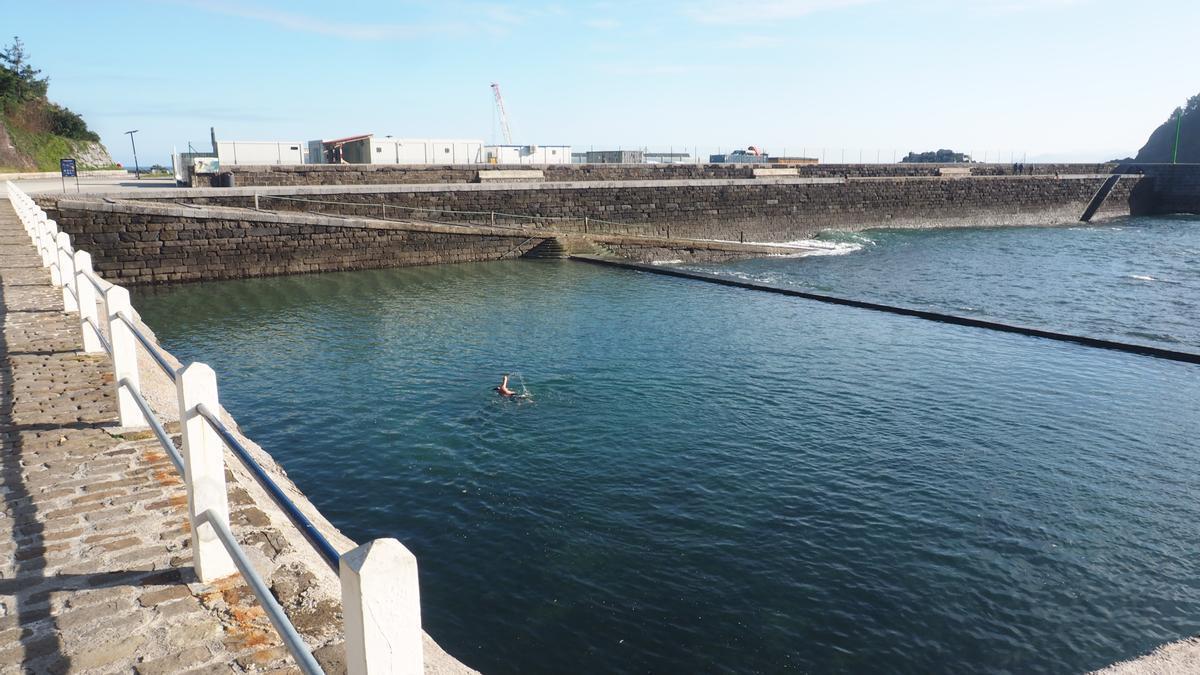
[[550, 249]]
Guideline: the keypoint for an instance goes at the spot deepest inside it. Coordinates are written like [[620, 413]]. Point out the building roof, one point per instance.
[[348, 139]]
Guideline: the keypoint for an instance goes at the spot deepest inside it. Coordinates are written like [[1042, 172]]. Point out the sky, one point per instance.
[[1039, 80]]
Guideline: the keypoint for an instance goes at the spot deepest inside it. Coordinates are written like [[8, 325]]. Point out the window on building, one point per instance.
[[378, 149], [446, 150]]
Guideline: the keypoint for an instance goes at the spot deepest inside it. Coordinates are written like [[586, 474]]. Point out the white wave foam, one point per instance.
[[805, 247], [1147, 277], [676, 261], [820, 247]]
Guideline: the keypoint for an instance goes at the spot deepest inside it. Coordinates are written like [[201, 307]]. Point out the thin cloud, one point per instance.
[[755, 11], [1005, 6], [602, 24], [753, 41], [644, 69], [308, 24]]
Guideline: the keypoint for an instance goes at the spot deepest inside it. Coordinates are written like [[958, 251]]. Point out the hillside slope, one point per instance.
[[34, 132], [1162, 141]]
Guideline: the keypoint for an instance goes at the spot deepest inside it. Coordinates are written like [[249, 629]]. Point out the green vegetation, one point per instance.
[[41, 132], [1183, 124], [935, 157]]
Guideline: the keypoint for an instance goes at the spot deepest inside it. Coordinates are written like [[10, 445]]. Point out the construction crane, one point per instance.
[[503, 115]]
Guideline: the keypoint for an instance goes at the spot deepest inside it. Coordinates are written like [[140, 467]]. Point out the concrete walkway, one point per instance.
[[95, 570]]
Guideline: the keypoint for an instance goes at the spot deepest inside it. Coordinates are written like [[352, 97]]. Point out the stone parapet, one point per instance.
[[752, 209], [159, 243], [384, 174]]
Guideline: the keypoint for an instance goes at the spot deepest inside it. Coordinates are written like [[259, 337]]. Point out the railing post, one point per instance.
[[66, 267], [89, 319], [39, 238], [381, 604], [48, 240], [204, 471], [124, 355]]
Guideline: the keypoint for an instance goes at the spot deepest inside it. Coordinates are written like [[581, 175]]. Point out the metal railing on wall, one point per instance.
[[498, 219], [379, 587]]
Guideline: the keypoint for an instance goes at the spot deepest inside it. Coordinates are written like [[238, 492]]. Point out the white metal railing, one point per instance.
[[380, 592]]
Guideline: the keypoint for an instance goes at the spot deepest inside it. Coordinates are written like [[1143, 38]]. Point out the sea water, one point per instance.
[[709, 479]]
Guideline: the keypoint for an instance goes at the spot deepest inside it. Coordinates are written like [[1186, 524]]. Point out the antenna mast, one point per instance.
[[503, 115]]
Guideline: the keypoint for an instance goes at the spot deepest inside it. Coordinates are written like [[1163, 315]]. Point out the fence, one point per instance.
[[825, 153], [497, 219], [380, 592]]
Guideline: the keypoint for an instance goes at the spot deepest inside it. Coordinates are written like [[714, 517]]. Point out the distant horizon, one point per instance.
[[1047, 80]]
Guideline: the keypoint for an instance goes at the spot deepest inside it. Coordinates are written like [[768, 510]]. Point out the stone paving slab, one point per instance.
[[95, 566]]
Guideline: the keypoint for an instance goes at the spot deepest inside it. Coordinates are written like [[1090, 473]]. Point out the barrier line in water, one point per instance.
[[1131, 348]]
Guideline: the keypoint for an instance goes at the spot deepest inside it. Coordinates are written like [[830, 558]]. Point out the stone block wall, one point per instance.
[[777, 210], [1168, 188], [151, 244], [382, 174]]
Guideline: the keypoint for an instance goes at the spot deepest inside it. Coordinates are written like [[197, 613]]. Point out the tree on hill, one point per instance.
[[19, 81], [1184, 122], [23, 98], [942, 156]]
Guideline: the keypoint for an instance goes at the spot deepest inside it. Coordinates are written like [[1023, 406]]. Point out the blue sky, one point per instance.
[[1047, 79]]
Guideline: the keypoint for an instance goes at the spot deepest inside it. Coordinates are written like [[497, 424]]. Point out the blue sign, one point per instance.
[[67, 167]]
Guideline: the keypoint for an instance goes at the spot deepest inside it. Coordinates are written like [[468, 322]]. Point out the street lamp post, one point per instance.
[[136, 169]]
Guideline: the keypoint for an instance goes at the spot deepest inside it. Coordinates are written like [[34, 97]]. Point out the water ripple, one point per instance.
[[713, 480]]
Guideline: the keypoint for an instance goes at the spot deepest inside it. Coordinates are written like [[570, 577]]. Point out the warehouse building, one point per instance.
[[370, 149], [527, 154]]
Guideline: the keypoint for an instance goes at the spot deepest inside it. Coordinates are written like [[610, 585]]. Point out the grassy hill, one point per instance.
[[1161, 143], [34, 132]]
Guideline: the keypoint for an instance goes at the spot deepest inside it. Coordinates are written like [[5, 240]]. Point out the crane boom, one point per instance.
[[503, 115]]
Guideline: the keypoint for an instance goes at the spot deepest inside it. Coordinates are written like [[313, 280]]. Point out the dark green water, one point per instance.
[[714, 480], [1128, 279]]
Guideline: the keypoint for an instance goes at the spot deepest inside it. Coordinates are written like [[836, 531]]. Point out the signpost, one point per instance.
[[66, 167]]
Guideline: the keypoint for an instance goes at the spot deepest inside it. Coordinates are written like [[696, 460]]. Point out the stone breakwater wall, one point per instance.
[[656, 249], [751, 209], [382, 174], [157, 243], [1167, 188]]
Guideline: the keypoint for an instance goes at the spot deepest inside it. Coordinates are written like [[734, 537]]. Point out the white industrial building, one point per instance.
[[371, 149], [260, 152], [527, 154]]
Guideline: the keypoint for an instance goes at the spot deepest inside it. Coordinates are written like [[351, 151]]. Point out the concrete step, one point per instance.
[[549, 249]]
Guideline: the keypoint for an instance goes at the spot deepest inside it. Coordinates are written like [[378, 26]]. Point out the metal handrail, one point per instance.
[[153, 351], [328, 553], [97, 282], [502, 256], [163, 438], [398, 220], [274, 612], [438, 210], [100, 334], [279, 619]]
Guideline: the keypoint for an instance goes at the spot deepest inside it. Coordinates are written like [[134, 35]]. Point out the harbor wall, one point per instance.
[[1167, 188], [175, 235], [155, 243], [383, 174], [753, 210]]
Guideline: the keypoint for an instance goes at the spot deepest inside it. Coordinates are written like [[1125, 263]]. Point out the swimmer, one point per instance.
[[503, 388]]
